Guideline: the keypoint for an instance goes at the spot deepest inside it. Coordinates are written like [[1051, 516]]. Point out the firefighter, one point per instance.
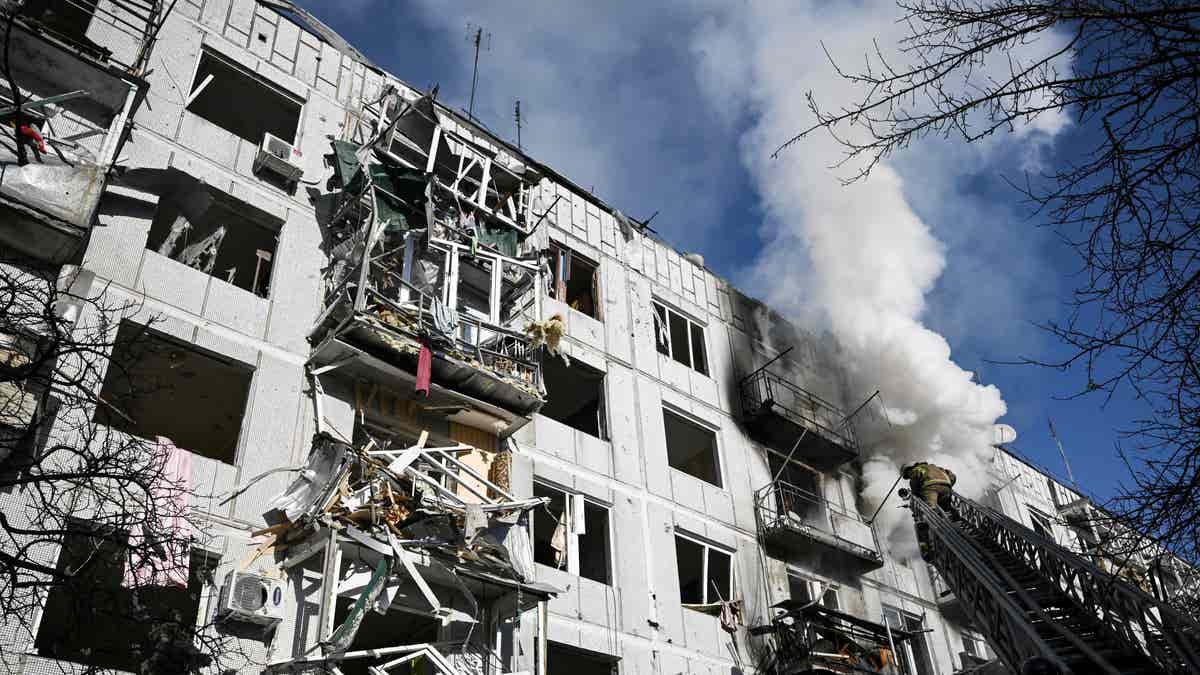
[[933, 484], [930, 482]]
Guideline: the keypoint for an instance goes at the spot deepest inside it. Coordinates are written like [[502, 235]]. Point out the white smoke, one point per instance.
[[858, 255]]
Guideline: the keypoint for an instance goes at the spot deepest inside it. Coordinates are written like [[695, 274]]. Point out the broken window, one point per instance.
[[692, 448], [241, 102], [797, 489], [805, 590], [95, 620], [217, 234], [378, 631], [576, 280], [575, 396], [571, 534], [18, 400], [680, 338], [158, 386], [912, 655], [1041, 523], [564, 659], [974, 645], [705, 572]]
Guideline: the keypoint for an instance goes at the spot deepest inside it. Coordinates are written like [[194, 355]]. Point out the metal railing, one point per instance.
[[796, 404], [138, 21], [781, 505], [1142, 623]]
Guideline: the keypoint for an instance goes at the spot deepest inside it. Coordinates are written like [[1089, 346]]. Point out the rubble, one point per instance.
[[399, 506]]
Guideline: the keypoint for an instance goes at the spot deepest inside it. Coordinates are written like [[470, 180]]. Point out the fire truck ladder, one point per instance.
[[1033, 598]]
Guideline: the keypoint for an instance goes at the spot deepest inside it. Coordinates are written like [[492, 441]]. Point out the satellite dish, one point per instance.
[[1002, 434]]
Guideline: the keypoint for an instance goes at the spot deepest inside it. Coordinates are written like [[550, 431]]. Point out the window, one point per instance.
[[1041, 523], [974, 645], [680, 338], [705, 573], [576, 280], [565, 659], [157, 386], [804, 590], [575, 396], [692, 448], [18, 402], [215, 233], [68, 18], [241, 102], [571, 533], [94, 620], [797, 489], [911, 655]]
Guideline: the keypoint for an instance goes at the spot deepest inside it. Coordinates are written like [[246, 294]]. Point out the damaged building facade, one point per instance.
[[444, 410]]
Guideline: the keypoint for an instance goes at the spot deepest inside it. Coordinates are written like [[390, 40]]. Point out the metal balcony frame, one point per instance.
[[764, 391], [771, 519]]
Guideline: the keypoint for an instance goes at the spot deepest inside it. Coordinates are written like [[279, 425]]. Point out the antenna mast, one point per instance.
[[517, 115], [477, 38], [1062, 452]]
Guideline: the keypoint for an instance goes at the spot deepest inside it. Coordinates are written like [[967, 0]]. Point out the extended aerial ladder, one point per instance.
[[1033, 598]]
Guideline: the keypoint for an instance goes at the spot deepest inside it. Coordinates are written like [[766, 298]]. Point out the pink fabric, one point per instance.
[[424, 369], [176, 490]]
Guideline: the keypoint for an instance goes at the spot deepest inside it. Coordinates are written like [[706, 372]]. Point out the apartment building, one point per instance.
[[315, 249]]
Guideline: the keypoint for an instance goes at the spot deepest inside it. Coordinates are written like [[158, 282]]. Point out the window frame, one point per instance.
[[906, 656], [570, 499], [1038, 518], [812, 585], [718, 463], [233, 64], [693, 327], [706, 547], [557, 251]]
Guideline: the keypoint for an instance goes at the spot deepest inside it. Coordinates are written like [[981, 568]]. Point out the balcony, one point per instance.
[[796, 523], [778, 412], [77, 97]]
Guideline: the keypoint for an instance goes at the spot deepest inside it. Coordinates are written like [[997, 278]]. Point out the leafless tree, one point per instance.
[[1128, 74], [93, 528]]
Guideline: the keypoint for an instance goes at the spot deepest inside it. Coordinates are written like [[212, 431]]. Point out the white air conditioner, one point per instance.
[[251, 597], [279, 157]]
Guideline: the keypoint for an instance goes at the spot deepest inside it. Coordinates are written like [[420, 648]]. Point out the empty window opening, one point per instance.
[[705, 573], [571, 534], [379, 631], [692, 448], [974, 647], [797, 489], [575, 396], [158, 386], [576, 280], [217, 234], [680, 338], [96, 621], [912, 655], [564, 659], [241, 102], [805, 590]]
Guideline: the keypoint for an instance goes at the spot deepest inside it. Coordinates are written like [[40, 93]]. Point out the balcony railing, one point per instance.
[[792, 518], [779, 412]]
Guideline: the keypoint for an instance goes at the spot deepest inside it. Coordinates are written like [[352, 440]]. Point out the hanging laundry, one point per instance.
[[161, 556], [558, 541], [731, 615], [424, 369]]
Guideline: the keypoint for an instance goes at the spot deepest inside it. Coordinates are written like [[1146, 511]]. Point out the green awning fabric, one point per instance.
[[395, 185], [503, 239]]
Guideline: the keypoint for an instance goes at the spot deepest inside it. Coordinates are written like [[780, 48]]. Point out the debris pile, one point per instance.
[[807, 637]]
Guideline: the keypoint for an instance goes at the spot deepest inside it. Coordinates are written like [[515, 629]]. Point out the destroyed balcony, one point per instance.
[[418, 274], [794, 523], [77, 69], [780, 414]]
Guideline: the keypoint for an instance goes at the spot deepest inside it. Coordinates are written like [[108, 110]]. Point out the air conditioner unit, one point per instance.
[[253, 598], [279, 157]]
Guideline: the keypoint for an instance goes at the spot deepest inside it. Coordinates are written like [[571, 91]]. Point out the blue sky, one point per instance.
[[674, 107]]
